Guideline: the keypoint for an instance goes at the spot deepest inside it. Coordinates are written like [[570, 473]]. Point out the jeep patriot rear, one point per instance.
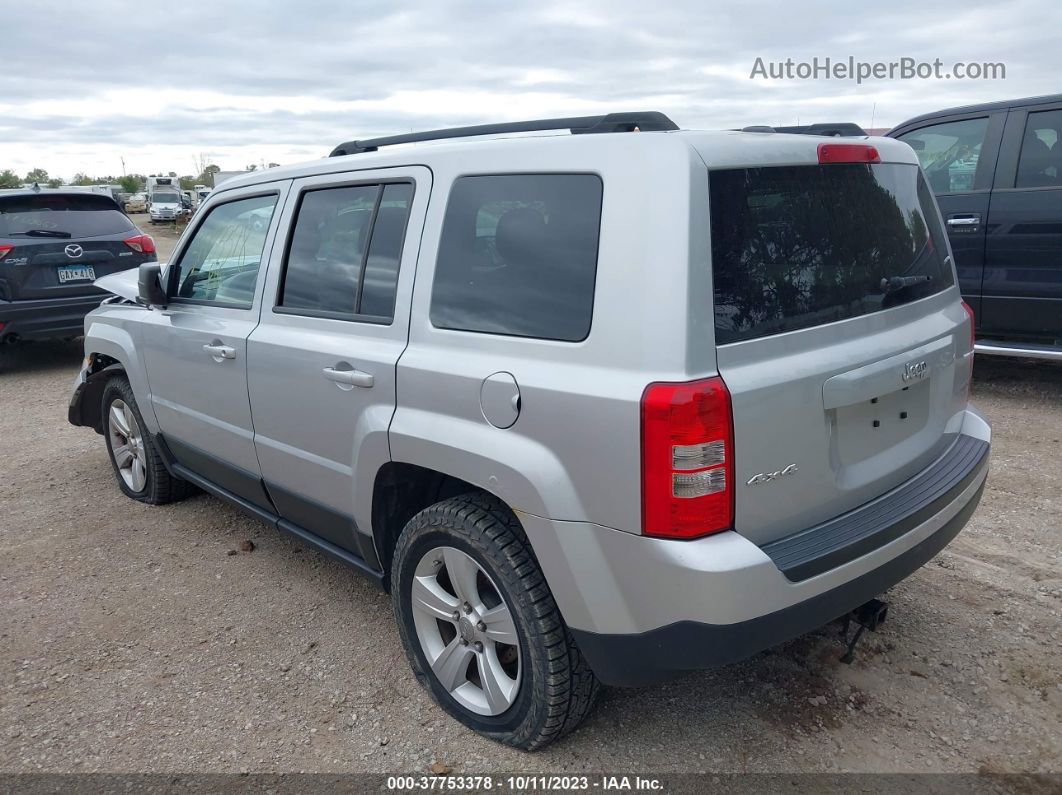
[[594, 408]]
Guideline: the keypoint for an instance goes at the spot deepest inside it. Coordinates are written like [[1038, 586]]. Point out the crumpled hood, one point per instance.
[[125, 284]]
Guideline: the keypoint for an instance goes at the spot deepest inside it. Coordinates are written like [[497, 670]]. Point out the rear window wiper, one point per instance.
[[40, 233], [892, 284]]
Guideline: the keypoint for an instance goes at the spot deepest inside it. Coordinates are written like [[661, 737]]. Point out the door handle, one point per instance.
[[964, 220], [349, 377], [222, 351]]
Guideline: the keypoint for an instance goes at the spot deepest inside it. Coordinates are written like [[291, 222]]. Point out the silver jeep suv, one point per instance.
[[596, 407]]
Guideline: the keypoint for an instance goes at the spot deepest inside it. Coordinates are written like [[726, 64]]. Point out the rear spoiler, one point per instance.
[[844, 129]]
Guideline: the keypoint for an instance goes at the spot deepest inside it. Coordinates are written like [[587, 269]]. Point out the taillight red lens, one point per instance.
[[687, 459], [848, 153], [4, 249], [142, 243], [970, 315]]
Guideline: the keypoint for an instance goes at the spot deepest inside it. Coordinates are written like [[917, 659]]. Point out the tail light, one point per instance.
[[848, 153], [687, 459], [4, 249], [970, 315], [141, 243]]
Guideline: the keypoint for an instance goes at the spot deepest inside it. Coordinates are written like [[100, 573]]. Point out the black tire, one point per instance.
[[557, 688], [160, 487]]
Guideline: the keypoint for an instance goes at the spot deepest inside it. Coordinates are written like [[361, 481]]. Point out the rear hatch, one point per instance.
[[55, 245], [839, 329]]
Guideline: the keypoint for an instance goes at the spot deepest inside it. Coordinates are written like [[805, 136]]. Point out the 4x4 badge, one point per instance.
[[767, 477]]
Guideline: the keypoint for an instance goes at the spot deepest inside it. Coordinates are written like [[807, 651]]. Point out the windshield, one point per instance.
[[60, 216], [799, 246], [165, 198]]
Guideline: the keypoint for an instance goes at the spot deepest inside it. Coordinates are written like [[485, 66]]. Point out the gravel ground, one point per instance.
[[137, 638]]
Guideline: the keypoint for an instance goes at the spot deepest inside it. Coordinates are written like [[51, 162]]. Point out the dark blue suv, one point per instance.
[[996, 170], [53, 245]]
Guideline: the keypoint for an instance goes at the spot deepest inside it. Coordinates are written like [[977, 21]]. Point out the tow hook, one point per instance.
[[869, 615]]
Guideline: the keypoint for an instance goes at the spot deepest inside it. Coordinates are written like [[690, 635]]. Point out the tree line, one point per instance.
[[130, 183]]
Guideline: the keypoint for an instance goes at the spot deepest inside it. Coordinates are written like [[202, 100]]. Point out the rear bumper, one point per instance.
[[46, 318], [644, 609]]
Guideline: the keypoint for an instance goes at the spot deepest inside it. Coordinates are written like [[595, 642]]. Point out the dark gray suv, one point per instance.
[[53, 245]]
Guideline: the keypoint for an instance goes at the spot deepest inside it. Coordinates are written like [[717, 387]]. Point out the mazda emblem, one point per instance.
[[74, 251]]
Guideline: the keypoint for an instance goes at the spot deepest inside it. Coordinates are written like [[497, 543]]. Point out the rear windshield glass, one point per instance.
[[54, 216], [799, 246]]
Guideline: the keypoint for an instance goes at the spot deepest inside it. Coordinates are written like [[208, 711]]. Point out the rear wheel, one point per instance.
[[134, 455], [480, 627]]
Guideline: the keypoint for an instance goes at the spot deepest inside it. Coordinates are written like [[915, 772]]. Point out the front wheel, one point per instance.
[[480, 627], [135, 458]]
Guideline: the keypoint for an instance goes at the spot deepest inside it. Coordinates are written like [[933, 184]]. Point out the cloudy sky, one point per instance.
[[165, 85]]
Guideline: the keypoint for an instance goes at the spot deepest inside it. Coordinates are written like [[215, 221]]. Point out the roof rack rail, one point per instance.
[[647, 121]]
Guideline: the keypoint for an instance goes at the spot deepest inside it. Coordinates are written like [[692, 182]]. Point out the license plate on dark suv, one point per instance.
[[76, 273]]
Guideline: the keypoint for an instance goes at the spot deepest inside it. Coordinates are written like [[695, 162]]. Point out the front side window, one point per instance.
[[1040, 162], [345, 249], [801, 246], [949, 153], [518, 256], [220, 265]]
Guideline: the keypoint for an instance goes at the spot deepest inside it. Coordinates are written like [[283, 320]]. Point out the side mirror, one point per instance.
[[149, 288]]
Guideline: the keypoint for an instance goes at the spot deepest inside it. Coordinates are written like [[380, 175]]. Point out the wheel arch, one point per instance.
[[87, 406], [110, 350], [402, 490]]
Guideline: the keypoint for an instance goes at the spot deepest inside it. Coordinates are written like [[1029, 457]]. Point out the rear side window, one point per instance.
[[58, 216], [344, 252], [518, 256], [1040, 164], [800, 246]]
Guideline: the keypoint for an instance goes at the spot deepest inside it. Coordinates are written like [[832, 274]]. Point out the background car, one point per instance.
[[164, 205], [137, 203], [996, 170], [53, 245]]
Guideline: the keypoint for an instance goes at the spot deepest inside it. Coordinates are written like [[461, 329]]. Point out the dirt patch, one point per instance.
[[131, 640]]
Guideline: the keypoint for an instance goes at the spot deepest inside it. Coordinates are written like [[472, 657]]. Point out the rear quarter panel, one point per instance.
[[574, 452]]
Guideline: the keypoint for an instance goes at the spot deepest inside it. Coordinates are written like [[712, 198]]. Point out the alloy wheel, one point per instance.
[[466, 631], [127, 445]]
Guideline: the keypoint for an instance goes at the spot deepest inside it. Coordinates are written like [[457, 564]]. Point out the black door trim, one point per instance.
[[331, 525], [245, 485], [370, 567]]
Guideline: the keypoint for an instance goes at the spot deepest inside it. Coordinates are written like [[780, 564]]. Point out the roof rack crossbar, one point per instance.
[[648, 121]]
